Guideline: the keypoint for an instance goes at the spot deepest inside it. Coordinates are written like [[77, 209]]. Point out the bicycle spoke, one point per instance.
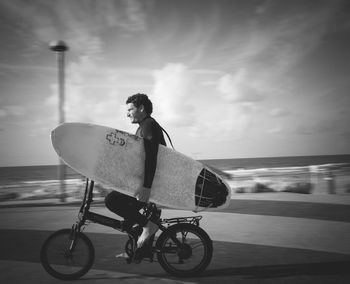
[[65, 258], [196, 245]]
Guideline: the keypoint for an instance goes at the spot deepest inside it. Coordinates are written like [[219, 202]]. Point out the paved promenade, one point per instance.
[[260, 238]]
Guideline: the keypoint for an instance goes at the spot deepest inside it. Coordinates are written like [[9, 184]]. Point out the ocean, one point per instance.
[[276, 162], [31, 177]]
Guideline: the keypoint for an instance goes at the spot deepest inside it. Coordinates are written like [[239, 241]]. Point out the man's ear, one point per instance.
[[142, 108]]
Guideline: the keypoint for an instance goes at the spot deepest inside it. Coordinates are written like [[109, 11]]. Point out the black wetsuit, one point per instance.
[[127, 206]]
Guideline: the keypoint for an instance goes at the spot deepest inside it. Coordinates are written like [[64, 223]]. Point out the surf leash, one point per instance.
[[171, 143]]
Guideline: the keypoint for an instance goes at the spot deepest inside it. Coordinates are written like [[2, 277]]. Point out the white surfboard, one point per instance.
[[116, 158]]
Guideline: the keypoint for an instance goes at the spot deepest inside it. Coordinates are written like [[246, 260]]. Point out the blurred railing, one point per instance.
[[318, 179]]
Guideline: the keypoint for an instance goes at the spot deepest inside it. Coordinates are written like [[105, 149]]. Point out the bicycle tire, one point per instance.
[[56, 256], [174, 260]]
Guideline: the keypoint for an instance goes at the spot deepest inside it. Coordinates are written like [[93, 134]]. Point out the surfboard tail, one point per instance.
[[211, 191]]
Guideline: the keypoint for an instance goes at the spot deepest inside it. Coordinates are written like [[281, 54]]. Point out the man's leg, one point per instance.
[[128, 207], [125, 206], [149, 230]]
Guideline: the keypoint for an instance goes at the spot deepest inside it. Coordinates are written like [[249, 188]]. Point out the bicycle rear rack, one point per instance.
[[192, 220]]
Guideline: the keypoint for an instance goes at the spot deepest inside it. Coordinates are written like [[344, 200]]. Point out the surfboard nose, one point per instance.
[[57, 137], [54, 140]]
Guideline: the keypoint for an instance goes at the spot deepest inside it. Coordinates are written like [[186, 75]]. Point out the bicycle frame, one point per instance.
[[86, 215]]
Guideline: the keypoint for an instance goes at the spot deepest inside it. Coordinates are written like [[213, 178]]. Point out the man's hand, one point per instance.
[[143, 194]]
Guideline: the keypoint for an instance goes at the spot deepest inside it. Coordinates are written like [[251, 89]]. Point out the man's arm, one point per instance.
[[151, 148], [151, 144]]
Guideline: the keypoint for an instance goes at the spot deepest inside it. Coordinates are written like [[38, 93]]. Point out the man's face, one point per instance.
[[135, 114]]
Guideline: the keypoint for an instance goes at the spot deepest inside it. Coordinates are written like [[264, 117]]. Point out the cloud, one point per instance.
[[321, 127], [13, 110], [135, 15], [258, 52], [80, 23], [92, 93], [275, 130], [173, 86], [224, 122], [278, 112], [205, 114], [96, 93], [292, 33], [238, 88]]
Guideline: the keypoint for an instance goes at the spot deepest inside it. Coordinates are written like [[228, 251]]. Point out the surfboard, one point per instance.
[[116, 159]]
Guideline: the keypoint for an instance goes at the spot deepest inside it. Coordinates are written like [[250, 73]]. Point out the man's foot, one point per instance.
[[122, 255], [148, 231]]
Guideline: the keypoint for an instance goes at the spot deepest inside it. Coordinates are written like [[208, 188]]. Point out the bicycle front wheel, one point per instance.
[[67, 255], [191, 257]]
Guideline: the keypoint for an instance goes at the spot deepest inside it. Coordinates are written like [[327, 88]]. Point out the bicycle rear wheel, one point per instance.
[[67, 255], [189, 259]]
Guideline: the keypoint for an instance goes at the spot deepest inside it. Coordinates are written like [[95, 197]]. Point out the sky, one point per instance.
[[227, 78]]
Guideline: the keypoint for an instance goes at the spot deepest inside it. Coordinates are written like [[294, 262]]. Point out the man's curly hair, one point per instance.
[[141, 99]]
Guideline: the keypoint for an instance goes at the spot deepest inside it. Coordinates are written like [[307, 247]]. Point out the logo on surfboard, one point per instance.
[[114, 140]]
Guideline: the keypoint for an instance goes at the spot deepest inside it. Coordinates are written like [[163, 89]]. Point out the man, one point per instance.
[[139, 110]]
